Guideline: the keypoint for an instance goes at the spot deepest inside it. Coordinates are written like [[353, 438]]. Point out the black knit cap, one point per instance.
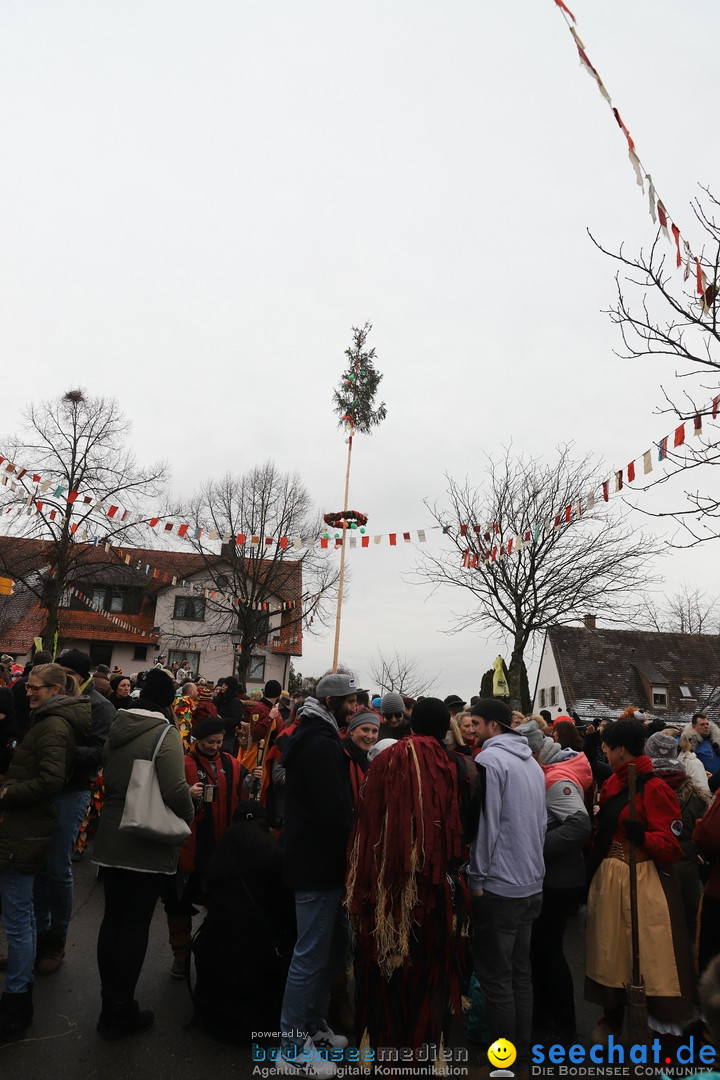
[[430, 716], [77, 661], [272, 688], [158, 688]]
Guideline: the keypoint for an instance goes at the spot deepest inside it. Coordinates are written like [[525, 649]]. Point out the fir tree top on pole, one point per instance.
[[354, 398], [355, 406]]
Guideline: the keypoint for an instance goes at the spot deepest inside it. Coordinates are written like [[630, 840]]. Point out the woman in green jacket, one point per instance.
[[38, 771], [136, 869]]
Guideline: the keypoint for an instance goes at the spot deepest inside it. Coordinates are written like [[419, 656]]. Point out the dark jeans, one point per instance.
[[501, 952], [130, 899], [553, 992]]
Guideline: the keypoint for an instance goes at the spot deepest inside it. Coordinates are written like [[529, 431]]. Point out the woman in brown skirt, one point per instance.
[[664, 955]]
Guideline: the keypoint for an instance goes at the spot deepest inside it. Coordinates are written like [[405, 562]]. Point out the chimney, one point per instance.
[[590, 622]]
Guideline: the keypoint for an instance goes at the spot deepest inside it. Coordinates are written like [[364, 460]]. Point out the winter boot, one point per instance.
[[50, 953], [121, 1018], [341, 1016], [16, 1013], [179, 936]]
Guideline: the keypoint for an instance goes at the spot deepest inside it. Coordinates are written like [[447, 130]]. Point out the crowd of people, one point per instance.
[[432, 849]]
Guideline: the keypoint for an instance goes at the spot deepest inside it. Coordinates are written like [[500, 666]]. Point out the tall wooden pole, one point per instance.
[[342, 559]]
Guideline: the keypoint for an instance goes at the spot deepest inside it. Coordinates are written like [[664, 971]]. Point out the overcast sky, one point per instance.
[[201, 199]]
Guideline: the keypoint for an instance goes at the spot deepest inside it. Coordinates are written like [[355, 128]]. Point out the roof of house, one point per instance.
[[603, 671], [22, 615], [152, 567]]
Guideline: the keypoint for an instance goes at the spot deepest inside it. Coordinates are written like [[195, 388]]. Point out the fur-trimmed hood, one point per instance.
[[694, 737]]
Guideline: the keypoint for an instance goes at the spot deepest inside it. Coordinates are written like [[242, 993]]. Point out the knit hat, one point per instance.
[[662, 751], [204, 693], [376, 702], [272, 688], [532, 733], [116, 670], [430, 716], [206, 721], [378, 748], [158, 688], [363, 717], [116, 680], [77, 661], [392, 705]]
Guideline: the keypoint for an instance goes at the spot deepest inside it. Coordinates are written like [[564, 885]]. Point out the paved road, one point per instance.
[[62, 1043]]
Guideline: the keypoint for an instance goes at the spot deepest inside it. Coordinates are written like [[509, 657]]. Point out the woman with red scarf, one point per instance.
[[664, 954]]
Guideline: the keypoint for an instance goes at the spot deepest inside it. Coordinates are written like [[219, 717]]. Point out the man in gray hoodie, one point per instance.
[[506, 874]]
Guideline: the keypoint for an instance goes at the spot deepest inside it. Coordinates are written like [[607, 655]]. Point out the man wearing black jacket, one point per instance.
[[318, 818]]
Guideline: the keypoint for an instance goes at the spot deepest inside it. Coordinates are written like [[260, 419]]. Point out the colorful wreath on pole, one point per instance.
[[346, 519]]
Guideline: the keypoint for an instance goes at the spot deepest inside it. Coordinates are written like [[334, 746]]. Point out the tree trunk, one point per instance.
[[518, 681], [242, 664]]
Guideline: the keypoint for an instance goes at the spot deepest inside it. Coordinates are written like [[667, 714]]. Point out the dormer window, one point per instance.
[[686, 693], [659, 697]]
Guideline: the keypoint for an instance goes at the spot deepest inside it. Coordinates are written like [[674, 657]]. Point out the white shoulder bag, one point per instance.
[[145, 812]]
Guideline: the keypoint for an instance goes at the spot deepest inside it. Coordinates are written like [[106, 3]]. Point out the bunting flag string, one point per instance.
[[10, 473], [706, 291], [487, 534]]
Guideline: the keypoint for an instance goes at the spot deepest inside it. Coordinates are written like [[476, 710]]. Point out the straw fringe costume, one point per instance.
[[407, 902]]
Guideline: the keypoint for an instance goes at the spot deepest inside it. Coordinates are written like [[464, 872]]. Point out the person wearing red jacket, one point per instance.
[[664, 952], [216, 785]]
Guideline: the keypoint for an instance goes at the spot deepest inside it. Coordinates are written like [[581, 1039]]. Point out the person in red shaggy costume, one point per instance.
[[407, 901]]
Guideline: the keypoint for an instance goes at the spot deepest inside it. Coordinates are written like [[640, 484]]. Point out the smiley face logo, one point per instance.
[[502, 1053]]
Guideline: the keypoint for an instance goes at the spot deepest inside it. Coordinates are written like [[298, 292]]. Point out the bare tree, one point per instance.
[[400, 672], [555, 573], [662, 312], [687, 611], [248, 574], [75, 449]]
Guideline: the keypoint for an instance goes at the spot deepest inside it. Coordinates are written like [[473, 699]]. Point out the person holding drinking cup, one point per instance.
[[216, 785]]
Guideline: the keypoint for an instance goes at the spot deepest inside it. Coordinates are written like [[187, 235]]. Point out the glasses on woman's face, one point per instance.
[[35, 688]]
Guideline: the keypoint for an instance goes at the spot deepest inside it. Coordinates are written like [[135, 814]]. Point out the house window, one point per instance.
[[554, 695], [659, 697], [543, 702], [100, 653], [176, 656], [189, 607], [257, 669], [107, 601], [686, 693], [140, 652]]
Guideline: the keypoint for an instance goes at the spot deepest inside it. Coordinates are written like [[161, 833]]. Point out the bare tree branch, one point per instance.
[[594, 562], [79, 444], [266, 503], [659, 312], [402, 673]]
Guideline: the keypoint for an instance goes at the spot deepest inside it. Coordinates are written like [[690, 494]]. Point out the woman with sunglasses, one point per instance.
[[39, 768]]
